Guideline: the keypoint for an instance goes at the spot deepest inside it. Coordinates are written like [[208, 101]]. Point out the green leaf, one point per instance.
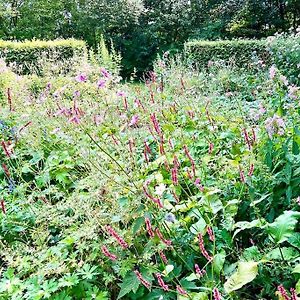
[[296, 269], [285, 253], [245, 273], [130, 283], [294, 239], [283, 227], [198, 227], [246, 225], [218, 262], [194, 296], [137, 224]]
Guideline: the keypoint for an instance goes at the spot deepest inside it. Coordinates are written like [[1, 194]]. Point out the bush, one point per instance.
[[26, 56], [285, 52], [240, 51]]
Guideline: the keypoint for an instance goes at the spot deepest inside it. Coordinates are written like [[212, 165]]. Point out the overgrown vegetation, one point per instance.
[[184, 187], [142, 28]]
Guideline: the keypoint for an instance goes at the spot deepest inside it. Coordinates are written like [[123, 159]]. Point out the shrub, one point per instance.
[[26, 56], [240, 51]]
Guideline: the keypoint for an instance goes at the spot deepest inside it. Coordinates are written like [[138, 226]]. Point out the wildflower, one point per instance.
[[198, 271], [251, 170], [134, 120], [2, 204], [176, 162], [81, 77], [272, 72], [149, 227], [275, 125], [216, 293], [181, 291], [121, 94], [147, 148], [74, 120], [107, 253], [9, 99], [131, 145], [6, 149], [170, 217], [77, 94], [293, 294], [163, 257], [105, 73], [171, 144], [253, 136], [198, 184], [174, 176], [142, 280], [155, 200], [101, 83], [175, 196], [187, 153], [161, 148], [202, 248], [210, 233], [293, 91], [5, 169], [114, 234], [210, 148], [242, 176], [283, 79], [159, 234], [246, 136], [161, 282], [155, 123], [282, 292]]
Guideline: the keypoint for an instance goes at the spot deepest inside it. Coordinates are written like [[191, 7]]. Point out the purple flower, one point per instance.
[[272, 72], [275, 125], [170, 217], [121, 94], [134, 120], [293, 91], [101, 83], [105, 73], [77, 94], [81, 77]]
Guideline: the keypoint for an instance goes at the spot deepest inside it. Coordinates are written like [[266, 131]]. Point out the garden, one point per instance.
[[181, 183]]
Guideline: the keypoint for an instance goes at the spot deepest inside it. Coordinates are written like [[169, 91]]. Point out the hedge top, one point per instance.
[[41, 44], [205, 43]]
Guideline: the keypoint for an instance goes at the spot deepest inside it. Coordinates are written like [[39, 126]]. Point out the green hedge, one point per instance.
[[239, 51], [283, 51], [28, 54]]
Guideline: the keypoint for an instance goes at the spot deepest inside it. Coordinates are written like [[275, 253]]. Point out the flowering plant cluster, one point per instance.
[[184, 187]]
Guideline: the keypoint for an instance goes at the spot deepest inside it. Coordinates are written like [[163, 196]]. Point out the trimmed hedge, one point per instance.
[[239, 51], [27, 55], [283, 51]]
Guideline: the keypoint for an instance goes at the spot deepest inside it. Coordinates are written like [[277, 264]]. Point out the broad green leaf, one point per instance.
[[194, 296], [218, 262], [168, 269], [296, 269], [298, 287], [294, 239], [283, 227], [285, 253], [245, 273], [246, 225], [198, 227], [130, 283], [192, 277]]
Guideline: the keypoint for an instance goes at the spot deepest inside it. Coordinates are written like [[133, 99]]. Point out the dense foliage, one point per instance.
[[142, 28], [28, 56], [185, 187]]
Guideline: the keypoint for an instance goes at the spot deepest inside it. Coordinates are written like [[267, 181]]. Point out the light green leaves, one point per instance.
[[130, 283], [283, 227], [245, 273]]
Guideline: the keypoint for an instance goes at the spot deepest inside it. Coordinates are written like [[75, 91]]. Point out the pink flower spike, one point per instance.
[[283, 292], [251, 170], [202, 248], [114, 234], [174, 176], [163, 257], [293, 294], [181, 291], [210, 233], [2, 203], [211, 148], [106, 252], [121, 94], [134, 120], [217, 295], [159, 234], [142, 280], [149, 227], [161, 282]]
